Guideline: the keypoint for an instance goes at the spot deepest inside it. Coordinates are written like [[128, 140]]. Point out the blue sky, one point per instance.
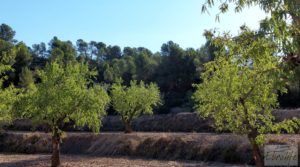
[[147, 23]]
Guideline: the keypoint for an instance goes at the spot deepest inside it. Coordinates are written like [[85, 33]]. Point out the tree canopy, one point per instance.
[[133, 101], [239, 88], [7, 33], [283, 25], [63, 95], [7, 92]]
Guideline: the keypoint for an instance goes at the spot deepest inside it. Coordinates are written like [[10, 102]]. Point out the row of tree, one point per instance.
[[66, 93], [173, 69], [58, 86]]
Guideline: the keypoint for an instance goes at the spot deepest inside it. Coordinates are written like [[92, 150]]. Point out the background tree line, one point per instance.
[[173, 69]]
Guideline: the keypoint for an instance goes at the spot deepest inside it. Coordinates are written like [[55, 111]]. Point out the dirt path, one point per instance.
[[22, 160]]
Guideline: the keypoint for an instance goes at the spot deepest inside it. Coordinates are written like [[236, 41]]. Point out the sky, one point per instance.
[[134, 23]]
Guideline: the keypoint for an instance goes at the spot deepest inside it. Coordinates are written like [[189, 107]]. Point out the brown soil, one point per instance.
[[18, 160]]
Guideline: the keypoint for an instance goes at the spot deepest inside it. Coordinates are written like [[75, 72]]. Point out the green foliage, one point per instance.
[[62, 52], [131, 102], [283, 25], [7, 53], [288, 126], [39, 49], [174, 72], [7, 94], [174, 69], [178, 69], [23, 60], [7, 99], [64, 95], [7, 33], [82, 48], [23, 56], [239, 89], [26, 78]]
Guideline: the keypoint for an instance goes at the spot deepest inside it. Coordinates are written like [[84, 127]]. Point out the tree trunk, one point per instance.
[[259, 162], [55, 159], [128, 128]]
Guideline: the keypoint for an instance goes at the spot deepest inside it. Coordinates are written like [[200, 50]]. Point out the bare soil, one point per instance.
[[25, 160]]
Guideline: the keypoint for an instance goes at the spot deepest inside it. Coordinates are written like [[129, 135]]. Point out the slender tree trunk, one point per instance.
[[55, 159], [128, 128], [259, 162]]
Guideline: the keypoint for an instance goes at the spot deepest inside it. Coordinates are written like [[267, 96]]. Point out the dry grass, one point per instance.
[[171, 146], [226, 148], [17, 160]]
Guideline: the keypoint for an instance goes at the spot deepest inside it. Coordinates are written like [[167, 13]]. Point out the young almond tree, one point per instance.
[[239, 89], [131, 102], [64, 94]]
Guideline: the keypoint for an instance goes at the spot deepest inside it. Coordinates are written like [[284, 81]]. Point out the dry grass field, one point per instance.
[[23, 160], [174, 147], [183, 148]]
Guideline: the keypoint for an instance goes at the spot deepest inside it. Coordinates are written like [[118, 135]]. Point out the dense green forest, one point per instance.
[[173, 69]]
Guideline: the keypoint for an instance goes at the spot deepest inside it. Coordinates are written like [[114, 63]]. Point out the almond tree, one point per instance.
[[64, 95], [133, 101], [240, 87]]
